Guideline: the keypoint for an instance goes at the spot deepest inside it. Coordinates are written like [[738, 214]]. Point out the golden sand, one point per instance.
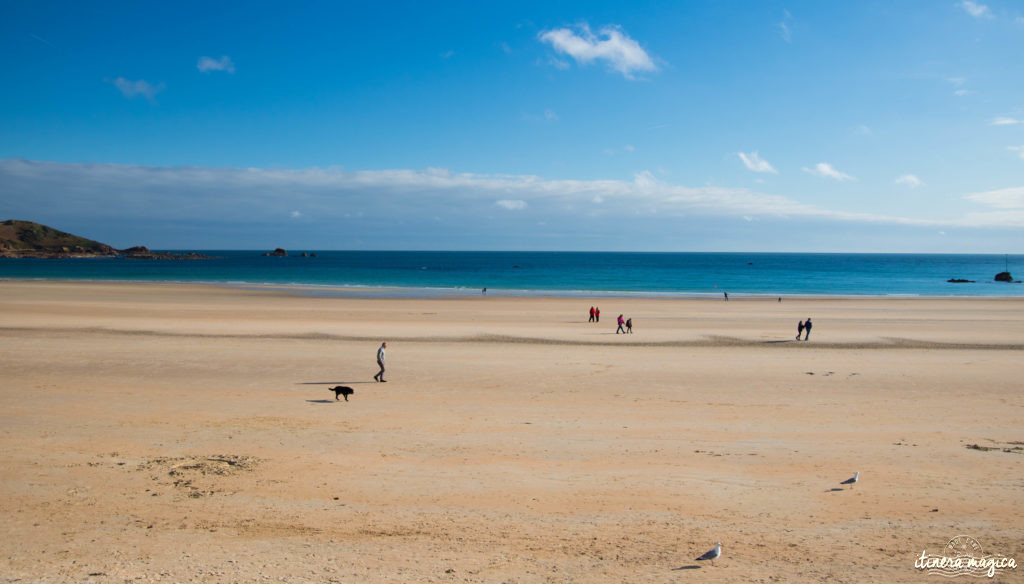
[[183, 433]]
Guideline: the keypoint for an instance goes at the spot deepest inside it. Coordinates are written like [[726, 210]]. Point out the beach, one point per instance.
[[186, 433]]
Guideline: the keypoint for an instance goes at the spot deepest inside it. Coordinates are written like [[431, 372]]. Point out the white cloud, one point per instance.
[[826, 170], [41, 39], [1005, 121], [1018, 149], [1011, 198], [976, 10], [511, 204], [754, 162], [133, 194], [558, 63], [962, 92], [862, 130], [207, 64], [141, 87], [295, 214], [909, 180], [784, 31], [547, 115], [956, 81], [447, 54], [611, 45]]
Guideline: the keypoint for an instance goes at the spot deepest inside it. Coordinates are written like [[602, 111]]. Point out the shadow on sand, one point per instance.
[[690, 567], [332, 382], [328, 401]]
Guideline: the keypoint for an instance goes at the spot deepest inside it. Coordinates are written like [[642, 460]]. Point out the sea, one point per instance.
[[569, 274]]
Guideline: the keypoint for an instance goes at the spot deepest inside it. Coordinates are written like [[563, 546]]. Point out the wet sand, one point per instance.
[[184, 433]]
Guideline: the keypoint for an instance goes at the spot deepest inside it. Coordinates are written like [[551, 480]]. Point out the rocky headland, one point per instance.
[[27, 239]]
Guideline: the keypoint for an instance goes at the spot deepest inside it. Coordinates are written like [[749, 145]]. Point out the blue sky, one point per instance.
[[653, 126]]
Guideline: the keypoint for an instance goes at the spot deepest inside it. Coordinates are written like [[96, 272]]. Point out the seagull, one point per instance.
[[852, 480], [713, 554]]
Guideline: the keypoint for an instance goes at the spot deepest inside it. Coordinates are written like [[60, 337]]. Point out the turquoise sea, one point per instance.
[[440, 273]]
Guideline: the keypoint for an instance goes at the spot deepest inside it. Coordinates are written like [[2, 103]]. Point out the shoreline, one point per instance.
[[415, 292]]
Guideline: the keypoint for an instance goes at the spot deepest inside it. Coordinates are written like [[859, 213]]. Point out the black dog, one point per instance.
[[342, 390]]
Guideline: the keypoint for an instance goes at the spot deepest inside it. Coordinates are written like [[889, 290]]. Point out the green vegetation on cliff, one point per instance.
[[27, 236]]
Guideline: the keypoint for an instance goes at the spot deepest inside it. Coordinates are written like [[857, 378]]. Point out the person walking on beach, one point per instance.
[[726, 296], [597, 314], [621, 323], [629, 325], [591, 314], [380, 362], [799, 330], [807, 328]]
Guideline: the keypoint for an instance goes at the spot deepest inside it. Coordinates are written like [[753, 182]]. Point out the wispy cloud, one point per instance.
[[511, 204], [131, 89], [1005, 121], [614, 151], [976, 10], [41, 39], [610, 45], [826, 170], [784, 29], [134, 194], [754, 162], [1011, 198], [959, 82], [1018, 149], [548, 115], [862, 130], [910, 180], [208, 64]]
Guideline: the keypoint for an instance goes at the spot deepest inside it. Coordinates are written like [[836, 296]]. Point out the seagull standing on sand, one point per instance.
[[852, 480], [712, 554]]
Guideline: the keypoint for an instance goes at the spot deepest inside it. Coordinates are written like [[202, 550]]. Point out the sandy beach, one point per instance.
[[186, 433]]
